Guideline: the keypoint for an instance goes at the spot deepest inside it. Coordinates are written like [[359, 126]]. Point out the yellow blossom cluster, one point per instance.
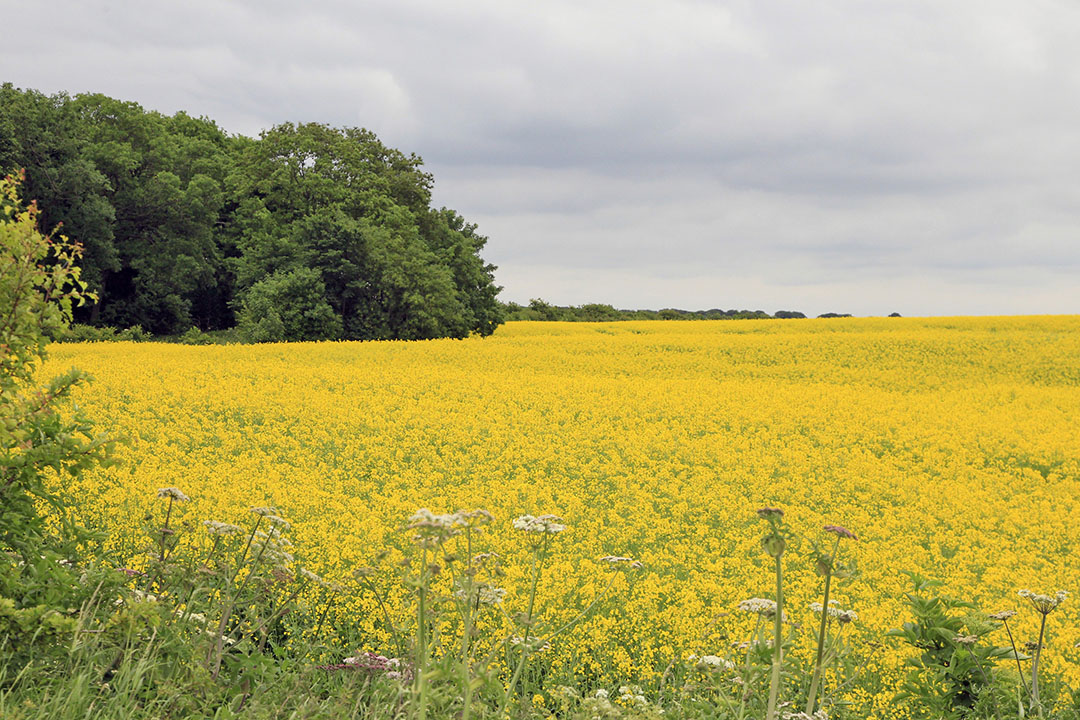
[[949, 446]]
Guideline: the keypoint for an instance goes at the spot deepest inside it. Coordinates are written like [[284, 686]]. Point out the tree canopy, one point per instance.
[[308, 232]]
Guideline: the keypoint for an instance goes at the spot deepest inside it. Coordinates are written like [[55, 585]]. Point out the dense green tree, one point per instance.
[[182, 223], [340, 202], [166, 177], [45, 136]]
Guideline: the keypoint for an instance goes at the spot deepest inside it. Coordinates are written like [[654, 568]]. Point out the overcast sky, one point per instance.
[[919, 156]]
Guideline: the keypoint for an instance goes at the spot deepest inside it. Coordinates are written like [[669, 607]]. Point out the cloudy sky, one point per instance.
[[919, 156]]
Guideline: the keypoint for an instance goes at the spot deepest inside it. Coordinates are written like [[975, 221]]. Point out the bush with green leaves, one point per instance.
[[288, 306], [40, 588], [960, 671]]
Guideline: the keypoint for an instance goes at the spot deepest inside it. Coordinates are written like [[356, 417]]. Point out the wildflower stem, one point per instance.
[[165, 529], [528, 626], [745, 694], [219, 647], [243, 555], [467, 630], [778, 648], [812, 699], [1016, 656], [1035, 704], [989, 683], [386, 615], [421, 640]]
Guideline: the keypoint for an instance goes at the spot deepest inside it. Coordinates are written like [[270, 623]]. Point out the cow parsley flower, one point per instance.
[[549, 524], [759, 606], [173, 494], [618, 559], [219, 528], [1044, 604]]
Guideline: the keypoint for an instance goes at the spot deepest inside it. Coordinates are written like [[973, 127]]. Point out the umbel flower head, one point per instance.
[[220, 528], [431, 529], [544, 524], [619, 560], [835, 611], [173, 494], [841, 532], [760, 606], [1044, 604]]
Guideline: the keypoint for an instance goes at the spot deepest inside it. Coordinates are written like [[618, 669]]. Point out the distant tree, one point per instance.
[[895, 314], [788, 314], [834, 315], [596, 312], [542, 310]]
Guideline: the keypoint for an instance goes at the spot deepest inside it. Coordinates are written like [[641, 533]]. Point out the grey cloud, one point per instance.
[[670, 149]]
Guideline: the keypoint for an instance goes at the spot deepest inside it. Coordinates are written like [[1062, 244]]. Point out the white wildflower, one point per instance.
[[264, 511], [618, 559], [760, 606], [482, 593], [819, 715], [549, 524], [632, 695], [431, 529], [219, 528], [715, 662], [312, 577], [277, 522], [1044, 604], [844, 616], [535, 645], [173, 494]]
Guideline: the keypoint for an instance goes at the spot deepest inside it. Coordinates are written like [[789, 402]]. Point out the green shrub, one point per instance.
[[288, 306]]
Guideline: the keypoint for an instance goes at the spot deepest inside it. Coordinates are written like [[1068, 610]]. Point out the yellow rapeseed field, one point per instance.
[[950, 446]]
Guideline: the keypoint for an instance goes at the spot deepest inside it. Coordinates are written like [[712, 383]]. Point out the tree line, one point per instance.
[[307, 232], [538, 309]]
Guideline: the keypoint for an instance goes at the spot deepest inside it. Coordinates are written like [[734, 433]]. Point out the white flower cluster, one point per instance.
[[549, 524], [219, 528], [760, 606], [270, 546], [264, 510], [1045, 604], [312, 577], [535, 645], [372, 661], [844, 616], [711, 662], [432, 530], [483, 594], [819, 715], [173, 494], [137, 596], [619, 559], [632, 695]]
